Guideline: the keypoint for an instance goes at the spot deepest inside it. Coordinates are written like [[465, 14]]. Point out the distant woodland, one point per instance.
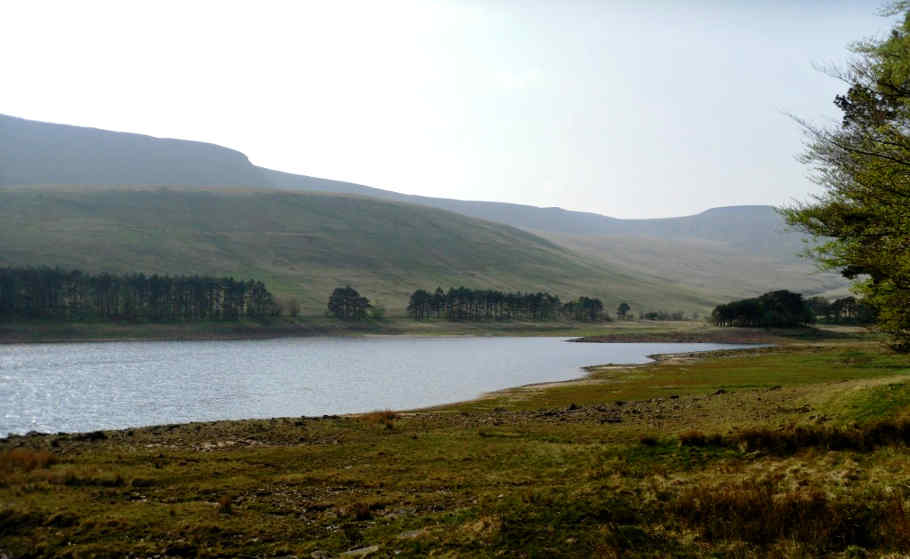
[[46, 293], [784, 308], [484, 304]]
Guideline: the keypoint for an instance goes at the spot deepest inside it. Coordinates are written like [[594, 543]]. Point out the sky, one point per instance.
[[625, 108]]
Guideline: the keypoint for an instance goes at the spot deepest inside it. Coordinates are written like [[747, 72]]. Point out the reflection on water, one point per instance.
[[82, 387]]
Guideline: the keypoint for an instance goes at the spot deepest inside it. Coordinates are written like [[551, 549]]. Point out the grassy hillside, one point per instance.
[[752, 230], [730, 252], [726, 252], [305, 245], [715, 266]]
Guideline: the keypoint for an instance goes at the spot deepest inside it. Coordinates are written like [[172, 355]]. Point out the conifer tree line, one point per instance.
[[74, 295], [462, 303]]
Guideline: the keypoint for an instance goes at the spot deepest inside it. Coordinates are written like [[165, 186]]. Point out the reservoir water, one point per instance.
[[90, 386]]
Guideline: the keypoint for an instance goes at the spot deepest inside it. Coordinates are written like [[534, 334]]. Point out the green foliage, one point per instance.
[[623, 309], [665, 315], [585, 308], [486, 304], [39, 293], [773, 309], [844, 310], [345, 303], [864, 167]]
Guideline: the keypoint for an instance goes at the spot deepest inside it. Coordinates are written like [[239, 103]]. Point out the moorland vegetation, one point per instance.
[[797, 450]]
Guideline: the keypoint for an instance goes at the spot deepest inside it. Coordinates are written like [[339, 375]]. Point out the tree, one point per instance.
[[345, 303], [776, 308], [622, 310], [863, 215]]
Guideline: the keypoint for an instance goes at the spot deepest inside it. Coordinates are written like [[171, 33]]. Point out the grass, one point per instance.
[[759, 470], [25, 459], [707, 265], [306, 244]]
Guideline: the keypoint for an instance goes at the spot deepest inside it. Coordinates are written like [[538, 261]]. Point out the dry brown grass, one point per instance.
[[381, 417], [861, 438], [25, 459], [756, 513]]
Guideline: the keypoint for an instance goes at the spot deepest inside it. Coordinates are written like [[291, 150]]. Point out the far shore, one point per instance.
[[25, 332]]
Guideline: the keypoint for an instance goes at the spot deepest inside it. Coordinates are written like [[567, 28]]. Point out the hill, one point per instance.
[[34, 152], [304, 244], [753, 229], [729, 252], [723, 252]]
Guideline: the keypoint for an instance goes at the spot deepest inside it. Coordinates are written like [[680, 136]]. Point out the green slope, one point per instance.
[[304, 244], [728, 252], [726, 271]]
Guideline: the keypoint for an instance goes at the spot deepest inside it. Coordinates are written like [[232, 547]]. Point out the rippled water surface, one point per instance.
[[83, 387]]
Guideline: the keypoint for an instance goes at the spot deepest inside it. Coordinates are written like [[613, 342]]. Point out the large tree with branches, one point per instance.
[[863, 214]]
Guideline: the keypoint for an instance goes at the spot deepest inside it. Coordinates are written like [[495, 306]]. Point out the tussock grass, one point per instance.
[[25, 459], [788, 441], [385, 418], [697, 438], [758, 514]]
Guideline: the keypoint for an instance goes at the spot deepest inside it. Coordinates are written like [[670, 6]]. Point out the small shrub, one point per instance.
[[225, 505]]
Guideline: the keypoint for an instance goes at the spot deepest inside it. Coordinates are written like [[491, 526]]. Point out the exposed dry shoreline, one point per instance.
[[717, 336]]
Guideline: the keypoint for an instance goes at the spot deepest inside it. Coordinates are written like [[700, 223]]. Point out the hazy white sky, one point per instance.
[[627, 108]]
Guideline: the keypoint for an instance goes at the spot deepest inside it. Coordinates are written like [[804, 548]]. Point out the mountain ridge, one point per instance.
[[16, 156], [732, 251]]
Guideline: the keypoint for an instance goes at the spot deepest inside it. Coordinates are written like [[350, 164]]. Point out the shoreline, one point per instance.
[[588, 370], [656, 359], [31, 332], [633, 444]]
